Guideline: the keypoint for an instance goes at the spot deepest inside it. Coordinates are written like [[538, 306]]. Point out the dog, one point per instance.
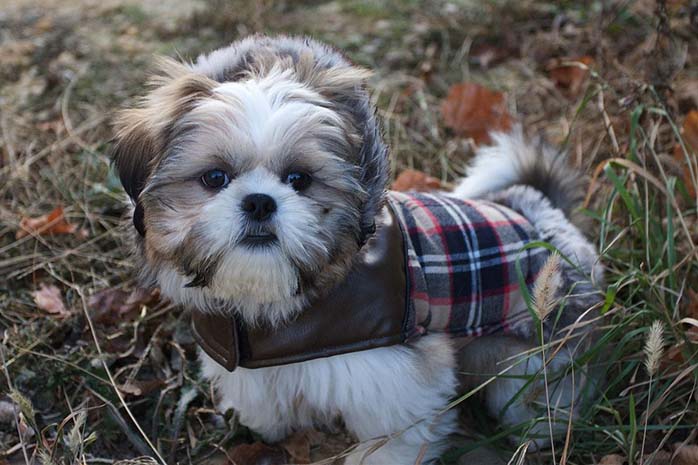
[[258, 179]]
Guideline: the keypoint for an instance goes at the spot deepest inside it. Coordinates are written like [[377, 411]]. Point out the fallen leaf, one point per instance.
[[139, 388], [570, 74], [298, 448], [612, 459], [51, 223], [687, 95], [298, 445], [685, 455], [689, 133], [257, 453], [413, 180], [111, 305], [690, 309], [331, 445], [661, 457], [472, 110], [672, 357], [675, 354], [49, 299]]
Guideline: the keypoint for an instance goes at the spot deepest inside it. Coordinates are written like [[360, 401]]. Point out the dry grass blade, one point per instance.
[[137, 461]]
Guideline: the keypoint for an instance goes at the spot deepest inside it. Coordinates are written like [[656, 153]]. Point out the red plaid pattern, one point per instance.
[[461, 257]]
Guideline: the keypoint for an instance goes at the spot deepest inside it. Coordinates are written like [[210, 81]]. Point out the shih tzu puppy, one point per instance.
[[258, 178]]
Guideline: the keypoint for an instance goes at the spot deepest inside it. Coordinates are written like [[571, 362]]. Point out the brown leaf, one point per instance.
[[51, 223], [685, 455], [413, 180], [687, 95], [570, 74], [330, 445], [114, 304], [672, 357], [690, 309], [689, 132], [612, 459], [139, 388], [257, 453], [661, 457], [473, 111], [298, 445], [49, 299]]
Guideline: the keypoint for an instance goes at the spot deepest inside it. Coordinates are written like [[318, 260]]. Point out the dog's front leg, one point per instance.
[[396, 402], [266, 400]]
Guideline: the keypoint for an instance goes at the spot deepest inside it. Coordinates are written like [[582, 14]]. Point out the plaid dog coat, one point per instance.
[[434, 263], [462, 262]]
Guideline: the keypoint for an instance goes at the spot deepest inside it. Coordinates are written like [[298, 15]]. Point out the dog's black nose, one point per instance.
[[259, 206]]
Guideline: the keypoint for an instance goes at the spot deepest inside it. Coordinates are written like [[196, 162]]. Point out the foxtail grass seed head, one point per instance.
[[546, 286], [654, 347]]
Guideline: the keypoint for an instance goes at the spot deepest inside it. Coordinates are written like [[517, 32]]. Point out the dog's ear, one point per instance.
[[334, 83], [142, 133], [135, 146]]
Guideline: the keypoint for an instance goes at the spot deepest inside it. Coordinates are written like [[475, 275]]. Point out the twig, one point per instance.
[[607, 122]]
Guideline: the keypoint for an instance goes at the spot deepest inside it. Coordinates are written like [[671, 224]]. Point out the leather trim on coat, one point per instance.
[[369, 309]]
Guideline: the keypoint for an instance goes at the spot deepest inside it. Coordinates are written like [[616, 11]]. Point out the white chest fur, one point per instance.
[[375, 392]]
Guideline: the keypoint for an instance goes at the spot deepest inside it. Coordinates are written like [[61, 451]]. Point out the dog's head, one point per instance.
[[255, 172]]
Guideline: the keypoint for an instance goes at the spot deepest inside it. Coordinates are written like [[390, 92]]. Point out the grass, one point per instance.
[[98, 386]]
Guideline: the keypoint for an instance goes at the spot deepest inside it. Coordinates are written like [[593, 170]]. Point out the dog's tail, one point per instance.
[[513, 160]]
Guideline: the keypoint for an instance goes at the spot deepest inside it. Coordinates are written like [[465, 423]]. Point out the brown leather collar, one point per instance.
[[371, 308]]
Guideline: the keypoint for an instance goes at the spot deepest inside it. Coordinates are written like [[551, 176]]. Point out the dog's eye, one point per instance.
[[215, 179], [298, 180]]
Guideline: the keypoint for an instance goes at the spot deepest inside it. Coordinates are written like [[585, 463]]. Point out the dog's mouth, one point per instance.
[[257, 239]]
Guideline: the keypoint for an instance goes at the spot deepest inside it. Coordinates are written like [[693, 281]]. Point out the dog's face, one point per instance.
[[251, 190]]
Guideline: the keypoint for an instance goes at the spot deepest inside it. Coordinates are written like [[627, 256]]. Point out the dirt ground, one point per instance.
[[95, 368]]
